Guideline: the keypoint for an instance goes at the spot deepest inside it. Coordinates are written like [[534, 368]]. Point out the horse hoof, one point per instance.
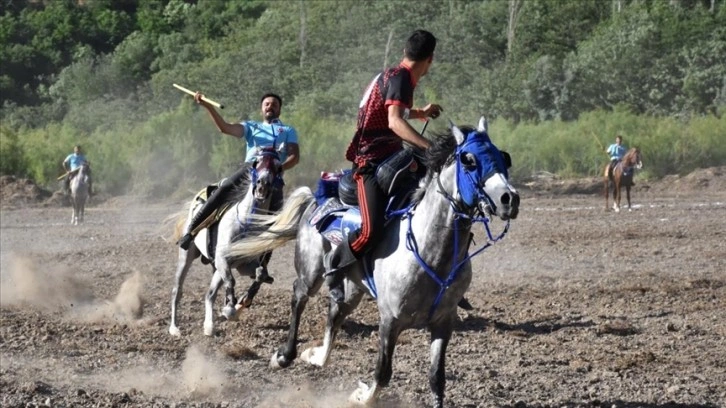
[[313, 356], [174, 331], [362, 396], [279, 361], [229, 313], [208, 330]]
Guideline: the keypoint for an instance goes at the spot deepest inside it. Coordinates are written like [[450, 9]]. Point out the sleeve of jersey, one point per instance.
[[399, 91], [247, 132], [291, 135]]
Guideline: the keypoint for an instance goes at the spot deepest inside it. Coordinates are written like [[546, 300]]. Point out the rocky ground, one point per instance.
[[578, 306]]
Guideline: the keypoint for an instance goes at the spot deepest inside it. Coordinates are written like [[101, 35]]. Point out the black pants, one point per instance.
[[220, 195], [371, 200]]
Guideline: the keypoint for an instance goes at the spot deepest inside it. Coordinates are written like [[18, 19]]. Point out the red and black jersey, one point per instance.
[[373, 140]]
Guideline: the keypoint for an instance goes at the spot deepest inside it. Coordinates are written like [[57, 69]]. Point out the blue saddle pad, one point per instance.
[[335, 220]]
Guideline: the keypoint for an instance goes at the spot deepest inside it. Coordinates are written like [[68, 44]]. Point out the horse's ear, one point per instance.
[[458, 134], [507, 159], [483, 125]]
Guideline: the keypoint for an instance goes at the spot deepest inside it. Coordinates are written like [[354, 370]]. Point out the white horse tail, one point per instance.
[[277, 229]]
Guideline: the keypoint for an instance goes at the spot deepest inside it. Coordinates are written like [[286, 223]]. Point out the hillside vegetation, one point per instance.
[[557, 79]]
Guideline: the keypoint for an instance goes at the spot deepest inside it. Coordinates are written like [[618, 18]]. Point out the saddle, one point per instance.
[[627, 170], [338, 215]]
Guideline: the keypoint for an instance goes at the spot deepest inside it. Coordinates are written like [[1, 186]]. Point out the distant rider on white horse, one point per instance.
[[72, 162]]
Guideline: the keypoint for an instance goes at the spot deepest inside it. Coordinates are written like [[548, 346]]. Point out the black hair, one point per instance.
[[270, 94], [420, 45]]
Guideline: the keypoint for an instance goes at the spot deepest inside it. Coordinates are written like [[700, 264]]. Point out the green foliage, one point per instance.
[[577, 148], [12, 161], [100, 73]]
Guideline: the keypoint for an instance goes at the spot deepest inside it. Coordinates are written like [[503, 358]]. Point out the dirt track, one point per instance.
[[576, 307]]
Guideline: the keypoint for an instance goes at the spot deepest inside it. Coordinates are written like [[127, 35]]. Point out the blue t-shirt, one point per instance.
[[616, 151], [261, 135], [75, 160]]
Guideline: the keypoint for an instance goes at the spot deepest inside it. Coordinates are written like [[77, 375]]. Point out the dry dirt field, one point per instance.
[[576, 307]]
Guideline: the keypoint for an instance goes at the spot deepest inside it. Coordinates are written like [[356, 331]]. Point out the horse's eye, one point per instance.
[[468, 160]]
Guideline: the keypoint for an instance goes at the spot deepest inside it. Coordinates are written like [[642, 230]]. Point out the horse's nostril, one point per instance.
[[505, 199], [515, 200]]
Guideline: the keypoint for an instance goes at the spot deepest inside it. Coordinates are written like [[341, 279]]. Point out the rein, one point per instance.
[[253, 184], [253, 206], [459, 217]]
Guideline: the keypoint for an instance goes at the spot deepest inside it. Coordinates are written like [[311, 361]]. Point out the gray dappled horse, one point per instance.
[[252, 195], [418, 272], [79, 193], [622, 176]]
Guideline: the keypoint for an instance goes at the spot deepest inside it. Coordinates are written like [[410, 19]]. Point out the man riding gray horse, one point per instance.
[[71, 164], [270, 133], [382, 128]]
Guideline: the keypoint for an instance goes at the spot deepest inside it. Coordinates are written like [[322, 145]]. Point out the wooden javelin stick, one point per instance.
[[67, 173], [204, 98], [598, 142]]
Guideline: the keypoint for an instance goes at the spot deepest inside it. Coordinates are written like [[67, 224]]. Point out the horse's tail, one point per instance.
[[277, 228], [178, 220]]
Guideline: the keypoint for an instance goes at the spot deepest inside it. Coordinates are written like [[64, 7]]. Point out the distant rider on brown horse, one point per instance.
[[616, 152]]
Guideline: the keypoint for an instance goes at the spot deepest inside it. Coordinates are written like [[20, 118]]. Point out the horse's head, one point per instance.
[[633, 158], [482, 176], [267, 168], [83, 168]]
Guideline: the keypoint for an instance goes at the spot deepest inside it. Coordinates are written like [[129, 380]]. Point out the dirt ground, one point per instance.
[[576, 307]]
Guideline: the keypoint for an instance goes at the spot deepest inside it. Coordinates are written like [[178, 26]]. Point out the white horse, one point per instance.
[[79, 193], [252, 195], [421, 268]]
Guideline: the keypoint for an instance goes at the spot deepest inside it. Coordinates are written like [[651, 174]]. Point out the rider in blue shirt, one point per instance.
[[271, 132], [264, 134], [616, 152], [74, 161]]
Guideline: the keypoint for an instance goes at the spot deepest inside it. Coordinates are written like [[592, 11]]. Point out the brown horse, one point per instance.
[[622, 176]]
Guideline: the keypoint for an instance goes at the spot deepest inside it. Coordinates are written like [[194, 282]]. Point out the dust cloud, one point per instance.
[[47, 288], [202, 375], [126, 307], [25, 283]]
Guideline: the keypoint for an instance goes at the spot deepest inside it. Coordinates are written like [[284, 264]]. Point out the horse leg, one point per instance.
[[607, 192], [627, 195], [285, 355], [388, 336], [616, 197], [184, 262], [209, 302], [440, 336], [224, 270], [230, 300], [337, 312], [249, 296]]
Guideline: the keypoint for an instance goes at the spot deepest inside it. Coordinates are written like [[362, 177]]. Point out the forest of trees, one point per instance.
[[556, 78]]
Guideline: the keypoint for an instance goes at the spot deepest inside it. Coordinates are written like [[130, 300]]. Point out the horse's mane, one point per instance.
[[630, 154], [443, 145], [241, 187]]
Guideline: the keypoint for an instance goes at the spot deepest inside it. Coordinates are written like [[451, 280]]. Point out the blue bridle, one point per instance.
[[470, 176]]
